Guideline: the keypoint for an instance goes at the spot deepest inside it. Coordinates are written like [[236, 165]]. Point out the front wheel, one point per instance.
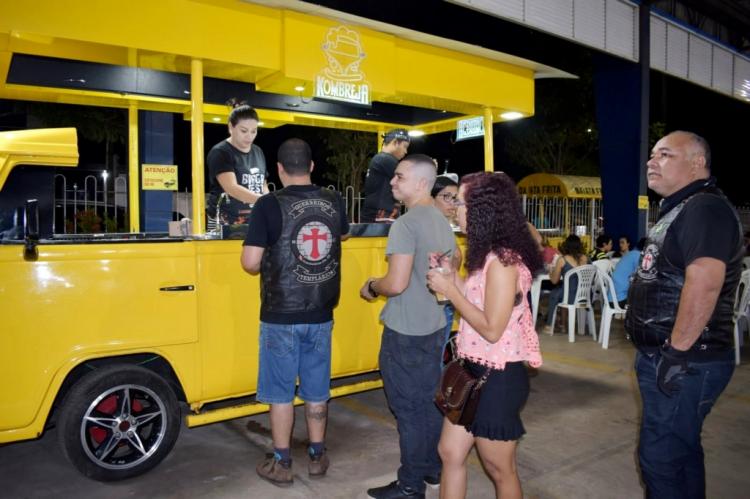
[[118, 421]]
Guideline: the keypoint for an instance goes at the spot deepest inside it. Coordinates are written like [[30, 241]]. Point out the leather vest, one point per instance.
[[301, 272], [655, 288]]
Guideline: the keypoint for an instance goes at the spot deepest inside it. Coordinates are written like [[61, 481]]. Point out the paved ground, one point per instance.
[[581, 420]]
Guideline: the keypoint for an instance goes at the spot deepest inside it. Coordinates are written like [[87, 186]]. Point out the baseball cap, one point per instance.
[[397, 134]]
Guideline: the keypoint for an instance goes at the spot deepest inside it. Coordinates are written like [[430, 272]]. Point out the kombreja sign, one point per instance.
[[343, 80]]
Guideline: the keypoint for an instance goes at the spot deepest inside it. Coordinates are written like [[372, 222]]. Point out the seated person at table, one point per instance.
[[572, 257], [624, 269], [603, 247], [549, 254], [624, 246]]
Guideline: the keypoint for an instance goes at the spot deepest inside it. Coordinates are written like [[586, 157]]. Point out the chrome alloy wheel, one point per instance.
[[123, 427]]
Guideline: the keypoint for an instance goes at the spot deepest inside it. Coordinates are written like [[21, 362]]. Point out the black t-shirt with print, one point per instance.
[[249, 169]]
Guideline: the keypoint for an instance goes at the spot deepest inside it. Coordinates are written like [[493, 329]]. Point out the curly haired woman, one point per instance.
[[495, 332]]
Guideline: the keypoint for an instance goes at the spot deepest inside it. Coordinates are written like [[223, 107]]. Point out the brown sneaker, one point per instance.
[[318, 465], [275, 471]]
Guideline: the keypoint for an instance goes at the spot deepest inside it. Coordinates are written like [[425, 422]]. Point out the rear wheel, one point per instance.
[[118, 421]]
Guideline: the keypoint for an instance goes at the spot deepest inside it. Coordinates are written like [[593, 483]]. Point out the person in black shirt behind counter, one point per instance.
[[237, 169], [379, 203]]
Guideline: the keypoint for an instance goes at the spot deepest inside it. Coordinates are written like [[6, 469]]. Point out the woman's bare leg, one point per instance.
[[454, 447], [499, 459]]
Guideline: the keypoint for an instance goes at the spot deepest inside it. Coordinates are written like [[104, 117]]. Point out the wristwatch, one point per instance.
[[371, 289]]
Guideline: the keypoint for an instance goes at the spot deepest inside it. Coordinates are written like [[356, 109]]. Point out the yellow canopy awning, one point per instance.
[[278, 50]]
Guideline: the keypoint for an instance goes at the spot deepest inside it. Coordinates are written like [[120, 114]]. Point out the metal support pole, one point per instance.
[[196, 128], [133, 177], [105, 174], [489, 163], [644, 61]]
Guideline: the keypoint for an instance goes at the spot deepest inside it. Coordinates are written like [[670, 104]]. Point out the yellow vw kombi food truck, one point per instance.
[[108, 336], [114, 337]]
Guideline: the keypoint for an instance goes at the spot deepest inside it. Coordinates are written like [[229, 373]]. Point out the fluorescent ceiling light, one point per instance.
[[415, 133], [511, 115]]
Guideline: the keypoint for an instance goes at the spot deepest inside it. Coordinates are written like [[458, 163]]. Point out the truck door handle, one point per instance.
[[186, 287]]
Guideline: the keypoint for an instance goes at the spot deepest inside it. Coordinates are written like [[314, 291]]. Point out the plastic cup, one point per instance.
[[440, 297]]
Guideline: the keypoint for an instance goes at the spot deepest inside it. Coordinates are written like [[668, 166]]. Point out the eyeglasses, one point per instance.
[[448, 197]]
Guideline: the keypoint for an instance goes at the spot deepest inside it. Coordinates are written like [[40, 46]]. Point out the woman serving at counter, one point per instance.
[[237, 169]]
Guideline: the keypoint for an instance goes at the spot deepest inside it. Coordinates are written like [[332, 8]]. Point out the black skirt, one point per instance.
[[498, 416]]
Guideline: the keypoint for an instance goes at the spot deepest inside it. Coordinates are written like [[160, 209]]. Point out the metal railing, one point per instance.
[[553, 216], [96, 197], [559, 217]]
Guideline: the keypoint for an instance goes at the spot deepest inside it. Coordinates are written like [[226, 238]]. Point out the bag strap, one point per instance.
[[483, 379], [454, 357]]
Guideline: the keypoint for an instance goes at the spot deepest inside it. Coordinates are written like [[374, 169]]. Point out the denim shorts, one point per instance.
[[289, 351]]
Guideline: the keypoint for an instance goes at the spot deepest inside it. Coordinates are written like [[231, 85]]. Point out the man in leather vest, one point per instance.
[[680, 314], [294, 242]]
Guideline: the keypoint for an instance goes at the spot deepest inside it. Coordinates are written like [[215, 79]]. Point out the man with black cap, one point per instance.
[[379, 203]]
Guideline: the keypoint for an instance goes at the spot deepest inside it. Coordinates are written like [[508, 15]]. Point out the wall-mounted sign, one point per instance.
[[470, 128], [158, 177], [343, 80]]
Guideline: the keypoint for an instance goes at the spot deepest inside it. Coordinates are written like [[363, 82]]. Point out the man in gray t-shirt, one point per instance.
[[411, 346]]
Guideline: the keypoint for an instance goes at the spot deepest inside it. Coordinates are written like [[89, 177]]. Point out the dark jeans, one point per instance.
[[450, 312], [410, 366], [555, 297], [670, 451]]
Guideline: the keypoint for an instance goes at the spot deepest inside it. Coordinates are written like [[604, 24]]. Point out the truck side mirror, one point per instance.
[[31, 230]]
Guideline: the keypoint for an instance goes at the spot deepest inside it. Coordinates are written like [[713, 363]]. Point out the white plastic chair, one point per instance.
[[604, 266], [610, 307], [536, 291], [741, 312], [581, 302]]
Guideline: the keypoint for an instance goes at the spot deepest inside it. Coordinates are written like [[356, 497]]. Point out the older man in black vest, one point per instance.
[[680, 314], [294, 242]]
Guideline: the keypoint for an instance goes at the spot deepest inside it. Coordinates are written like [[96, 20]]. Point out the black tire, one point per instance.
[[118, 421]]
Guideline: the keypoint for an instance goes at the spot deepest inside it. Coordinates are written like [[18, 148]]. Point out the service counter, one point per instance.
[[238, 231]]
